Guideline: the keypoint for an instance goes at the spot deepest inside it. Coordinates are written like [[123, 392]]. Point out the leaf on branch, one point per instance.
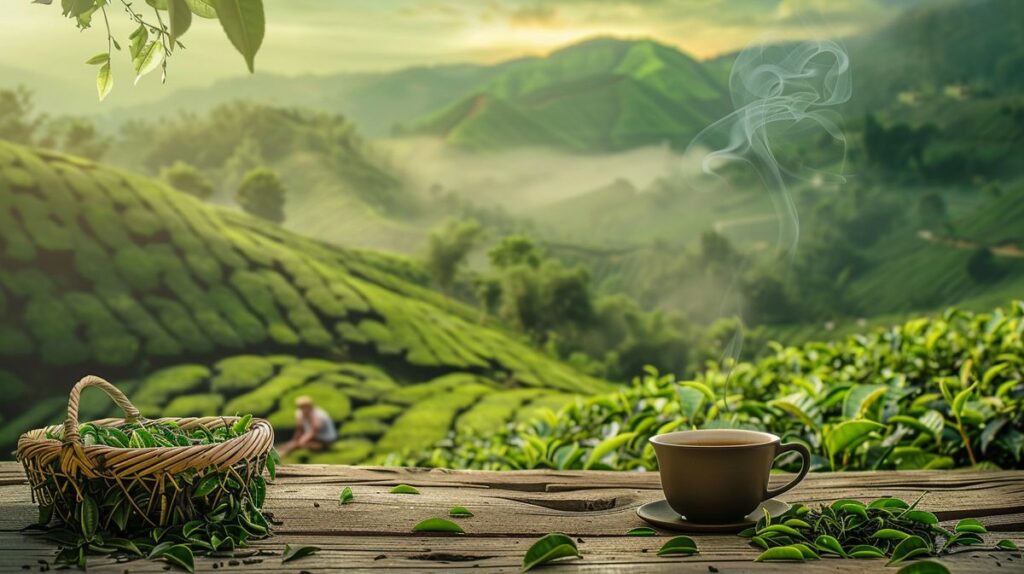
[[244, 23]]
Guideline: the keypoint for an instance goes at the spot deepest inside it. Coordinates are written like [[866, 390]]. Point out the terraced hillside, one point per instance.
[[108, 272]]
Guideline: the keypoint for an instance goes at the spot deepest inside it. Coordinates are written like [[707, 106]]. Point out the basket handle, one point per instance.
[[131, 414]]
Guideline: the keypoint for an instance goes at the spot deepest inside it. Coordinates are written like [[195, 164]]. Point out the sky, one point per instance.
[[331, 36]]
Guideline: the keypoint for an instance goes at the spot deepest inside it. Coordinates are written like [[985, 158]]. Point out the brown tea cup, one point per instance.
[[718, 476]]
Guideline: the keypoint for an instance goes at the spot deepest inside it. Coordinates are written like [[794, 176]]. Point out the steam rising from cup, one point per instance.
[[778, 92]]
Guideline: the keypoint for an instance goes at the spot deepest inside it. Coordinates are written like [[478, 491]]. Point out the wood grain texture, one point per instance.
[[373, 533]]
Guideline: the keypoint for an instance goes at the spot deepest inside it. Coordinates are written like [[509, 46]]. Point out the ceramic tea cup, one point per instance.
[[718, 476]]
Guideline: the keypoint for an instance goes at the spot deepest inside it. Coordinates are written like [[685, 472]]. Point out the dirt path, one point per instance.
[[1003, 250]]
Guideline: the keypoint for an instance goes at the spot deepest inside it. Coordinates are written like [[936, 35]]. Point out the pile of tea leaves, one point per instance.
[[884, 528], [206, 513]]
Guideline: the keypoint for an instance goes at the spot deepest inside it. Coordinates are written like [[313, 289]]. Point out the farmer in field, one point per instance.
[[314, 429]]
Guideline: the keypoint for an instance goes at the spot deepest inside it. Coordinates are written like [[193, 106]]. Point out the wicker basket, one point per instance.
[[157, 481]]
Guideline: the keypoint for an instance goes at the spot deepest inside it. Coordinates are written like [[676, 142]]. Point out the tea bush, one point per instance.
[[939, 392]]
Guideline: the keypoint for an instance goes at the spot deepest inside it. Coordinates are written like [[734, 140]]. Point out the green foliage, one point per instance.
[[448, 248], [262, 194], [885, 528], [951, 397], [242, 21], [187, 178]]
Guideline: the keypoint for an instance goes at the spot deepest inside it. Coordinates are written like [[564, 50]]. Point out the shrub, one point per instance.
[[200, 405], [142, 222], [363, 427], [381, 411], [11, 387], [262, 194], [186, 178], [241, 373], [428, 420], [937, 392], [348, 451], [156, 390], [176, 319], [138, 269]]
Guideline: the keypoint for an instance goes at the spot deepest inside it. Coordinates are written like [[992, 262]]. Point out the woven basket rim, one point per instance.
[[37, 437]]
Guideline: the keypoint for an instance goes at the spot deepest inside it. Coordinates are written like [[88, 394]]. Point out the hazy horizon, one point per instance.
[[396, 35]]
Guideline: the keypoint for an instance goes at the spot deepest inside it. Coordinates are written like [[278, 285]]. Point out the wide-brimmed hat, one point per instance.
[[303, 401]]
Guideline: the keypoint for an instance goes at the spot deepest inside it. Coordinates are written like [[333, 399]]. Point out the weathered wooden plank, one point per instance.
[[513, 508]]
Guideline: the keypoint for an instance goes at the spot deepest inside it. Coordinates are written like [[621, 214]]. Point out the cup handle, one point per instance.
[[805, 455]]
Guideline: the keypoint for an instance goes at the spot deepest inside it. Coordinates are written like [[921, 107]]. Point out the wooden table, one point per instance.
[[374, 532]]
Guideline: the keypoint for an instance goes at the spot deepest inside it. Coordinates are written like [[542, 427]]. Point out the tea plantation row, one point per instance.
[[936, 392], [375, 415], [115, 274]]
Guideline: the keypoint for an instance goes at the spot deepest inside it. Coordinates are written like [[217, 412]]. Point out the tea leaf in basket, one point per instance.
[[404, 489], [45, 514], [90, 517], [242, 424], [438, 525], [550, 547], [272, 465], [346, 495], [296, 552], [206, 485]]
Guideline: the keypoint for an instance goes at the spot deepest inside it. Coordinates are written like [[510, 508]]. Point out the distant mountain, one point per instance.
[[603, 94], [374, 101]]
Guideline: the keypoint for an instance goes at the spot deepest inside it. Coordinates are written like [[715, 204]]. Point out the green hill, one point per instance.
[[600, 95], [109, 272]]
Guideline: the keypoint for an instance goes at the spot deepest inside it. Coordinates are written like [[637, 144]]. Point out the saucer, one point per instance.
[[660, 514]]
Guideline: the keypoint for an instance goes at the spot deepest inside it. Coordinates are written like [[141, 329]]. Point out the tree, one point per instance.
[[447, 249], [76, 136], [185, 177], [515, 250], [18, 121], [982, 266], [262, 194]]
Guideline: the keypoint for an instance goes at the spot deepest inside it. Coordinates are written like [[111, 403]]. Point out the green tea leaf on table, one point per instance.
[[296, 552], [679, 545], [459, 512], [123, 544], [548, 548], [778, 529], [921, 516], [346, 495], [781, 553], [438, 525], [641, 531], [404, 489], [1006, 545], [890, 534], [796, 523], [272, 464], [806, 551], [179, 555], [923, 567], [909, 548], [89, 517], [865, 551], [970, 525], [828, 543]]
